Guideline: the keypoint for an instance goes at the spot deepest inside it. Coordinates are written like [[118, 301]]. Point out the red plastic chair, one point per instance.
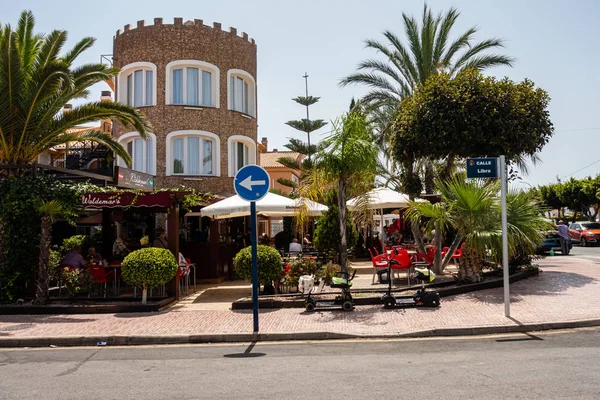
[[402, 262], [428, 257], [455, 256], [100, 276], [379, 262]]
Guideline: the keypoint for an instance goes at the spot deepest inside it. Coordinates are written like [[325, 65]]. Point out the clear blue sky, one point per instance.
[[554, 43]]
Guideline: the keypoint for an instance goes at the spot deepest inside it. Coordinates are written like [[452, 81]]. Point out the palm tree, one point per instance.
[[345, 160], [472, 208], [429, 51], [49, 211], [37, 80]]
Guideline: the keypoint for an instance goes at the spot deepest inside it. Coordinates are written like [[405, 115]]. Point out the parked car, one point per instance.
[[585, 233], [552, 242]]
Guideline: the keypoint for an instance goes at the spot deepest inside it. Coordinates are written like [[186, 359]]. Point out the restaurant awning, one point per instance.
[[272, 205]]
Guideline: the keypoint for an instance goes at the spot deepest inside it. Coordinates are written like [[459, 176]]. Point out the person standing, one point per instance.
[[563, 233], [161, 239]]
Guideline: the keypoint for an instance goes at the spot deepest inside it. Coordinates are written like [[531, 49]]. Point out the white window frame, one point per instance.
[[231, 152], [249, 79], [128, 137], [295, 179], [202, 66], [129, 69], [202, 135]]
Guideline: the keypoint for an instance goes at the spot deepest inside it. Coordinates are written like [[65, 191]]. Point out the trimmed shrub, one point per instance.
[[269, 264], [149, 267], [76, 283], [80, 241]]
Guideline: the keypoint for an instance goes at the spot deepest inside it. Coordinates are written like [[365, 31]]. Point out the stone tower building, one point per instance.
[[197, 86]]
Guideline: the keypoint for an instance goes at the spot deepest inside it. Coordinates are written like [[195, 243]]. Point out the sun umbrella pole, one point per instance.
[[381, 233]]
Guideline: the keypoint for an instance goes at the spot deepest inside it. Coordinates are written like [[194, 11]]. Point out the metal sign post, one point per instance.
[[252, 183], [505, 271], [255, 284], [488, 168]]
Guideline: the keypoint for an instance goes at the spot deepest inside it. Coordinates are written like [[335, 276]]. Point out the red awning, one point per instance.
[[113, 200]]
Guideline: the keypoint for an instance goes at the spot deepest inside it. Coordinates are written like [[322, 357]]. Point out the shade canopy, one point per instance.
[[272, 205], [380, 198]]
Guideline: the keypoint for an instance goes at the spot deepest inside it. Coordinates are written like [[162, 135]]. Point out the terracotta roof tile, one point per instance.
[[269, 159]]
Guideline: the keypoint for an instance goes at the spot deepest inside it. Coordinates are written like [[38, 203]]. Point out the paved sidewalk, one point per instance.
[[567, 290]]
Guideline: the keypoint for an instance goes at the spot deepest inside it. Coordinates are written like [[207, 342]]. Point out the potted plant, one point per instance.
[[269, 266], [149, 267]]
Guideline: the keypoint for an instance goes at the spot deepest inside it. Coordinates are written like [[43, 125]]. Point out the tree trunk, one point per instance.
[[43, 260], [145, 294], [453, 248], [429, 177], [437, 259], [1, 243], [416, 231], [342, 209], [469, 270], [449, 166]]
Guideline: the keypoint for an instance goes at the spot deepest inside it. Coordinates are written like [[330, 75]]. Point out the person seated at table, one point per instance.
[[395, 238], [93, 256], [161, 239], [295, 247], [74, 259], [265, 240], [307, 241], [120, 249]]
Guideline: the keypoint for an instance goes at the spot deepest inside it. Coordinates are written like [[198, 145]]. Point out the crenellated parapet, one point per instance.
[[190, 24]]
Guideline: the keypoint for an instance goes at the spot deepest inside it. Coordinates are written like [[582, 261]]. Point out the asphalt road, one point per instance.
[[590, 253], [521, 366]]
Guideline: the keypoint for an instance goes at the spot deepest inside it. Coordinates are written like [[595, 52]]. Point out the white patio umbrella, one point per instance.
[[272, 205], [380, 198]]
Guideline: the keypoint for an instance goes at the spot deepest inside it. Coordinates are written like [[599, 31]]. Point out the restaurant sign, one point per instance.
[[128, 178], [122, 200], [482, 167]]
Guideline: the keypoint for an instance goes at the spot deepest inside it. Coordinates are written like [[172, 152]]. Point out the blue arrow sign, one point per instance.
[[252, 183]]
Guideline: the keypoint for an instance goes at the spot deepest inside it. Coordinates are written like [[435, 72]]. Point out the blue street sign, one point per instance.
[[252, 183], [482, 167]]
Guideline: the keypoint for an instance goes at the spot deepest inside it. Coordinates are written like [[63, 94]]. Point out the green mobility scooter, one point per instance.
[[342, 280]]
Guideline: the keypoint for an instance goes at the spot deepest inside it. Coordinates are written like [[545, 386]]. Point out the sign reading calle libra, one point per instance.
[[128, 178], [482, 167]]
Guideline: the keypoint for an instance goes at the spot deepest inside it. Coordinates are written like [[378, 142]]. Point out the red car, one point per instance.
[[585, 233]]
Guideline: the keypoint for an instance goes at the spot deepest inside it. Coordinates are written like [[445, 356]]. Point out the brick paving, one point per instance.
[[567, 290]]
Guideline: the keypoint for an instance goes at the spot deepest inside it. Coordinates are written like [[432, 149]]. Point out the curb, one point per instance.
[[137, 340]]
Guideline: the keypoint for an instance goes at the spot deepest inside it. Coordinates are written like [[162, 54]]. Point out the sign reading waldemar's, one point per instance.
[[128, 178], [482, 167]]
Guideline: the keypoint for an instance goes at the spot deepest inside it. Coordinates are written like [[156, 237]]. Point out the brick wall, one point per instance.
[[162, 43]]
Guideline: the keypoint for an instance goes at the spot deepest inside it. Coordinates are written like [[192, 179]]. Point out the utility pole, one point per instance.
[[307, 116]]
